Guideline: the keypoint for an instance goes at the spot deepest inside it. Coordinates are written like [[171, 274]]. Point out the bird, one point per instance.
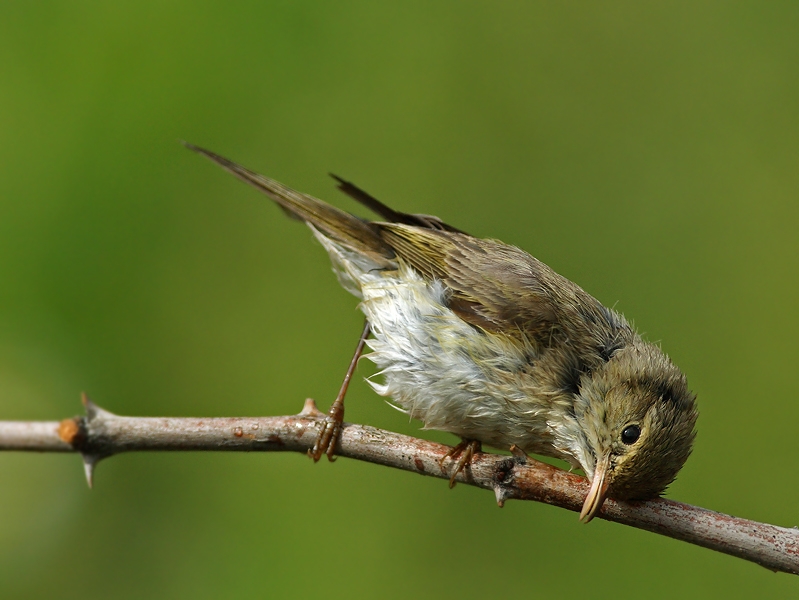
[[478, 338]]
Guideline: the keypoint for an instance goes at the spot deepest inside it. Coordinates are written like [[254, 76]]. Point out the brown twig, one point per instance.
[[102, 434]]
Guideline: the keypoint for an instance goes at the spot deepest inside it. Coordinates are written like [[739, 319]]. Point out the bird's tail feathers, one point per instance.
[[337, 225]]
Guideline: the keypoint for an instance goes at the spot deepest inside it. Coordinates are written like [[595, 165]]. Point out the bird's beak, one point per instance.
[[598, 490]]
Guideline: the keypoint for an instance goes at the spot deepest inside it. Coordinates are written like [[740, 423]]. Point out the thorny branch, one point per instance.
[[101, 434]]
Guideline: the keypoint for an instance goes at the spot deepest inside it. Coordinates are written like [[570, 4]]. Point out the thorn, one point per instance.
[[309, 409], [92, 410], [520, 455], [501, 495], [89, 463]]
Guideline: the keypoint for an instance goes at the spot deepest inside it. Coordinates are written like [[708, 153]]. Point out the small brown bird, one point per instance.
[[478, 338]]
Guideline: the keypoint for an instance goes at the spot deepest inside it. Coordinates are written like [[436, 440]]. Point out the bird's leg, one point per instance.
[[465, 450], [331, 426]]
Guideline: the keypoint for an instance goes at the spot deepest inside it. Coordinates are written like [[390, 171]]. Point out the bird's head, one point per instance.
[[636, 419]]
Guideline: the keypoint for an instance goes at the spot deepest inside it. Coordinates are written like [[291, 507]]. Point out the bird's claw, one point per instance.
[[329, 434], [465, 452]]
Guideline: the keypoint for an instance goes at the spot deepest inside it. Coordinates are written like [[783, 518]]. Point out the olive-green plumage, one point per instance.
[[477, 337]]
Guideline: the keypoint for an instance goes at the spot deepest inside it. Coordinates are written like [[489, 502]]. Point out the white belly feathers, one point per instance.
[[432, 366]]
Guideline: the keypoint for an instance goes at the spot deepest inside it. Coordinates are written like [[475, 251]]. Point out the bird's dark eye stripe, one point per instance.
[[630, 434]]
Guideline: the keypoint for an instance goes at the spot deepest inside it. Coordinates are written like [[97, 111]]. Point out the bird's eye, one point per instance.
[[630, 434]]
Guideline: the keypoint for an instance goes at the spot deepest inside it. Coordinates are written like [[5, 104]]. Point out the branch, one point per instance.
[[102, 434]]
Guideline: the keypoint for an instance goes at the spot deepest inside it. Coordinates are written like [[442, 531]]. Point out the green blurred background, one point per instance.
[[648, 151]]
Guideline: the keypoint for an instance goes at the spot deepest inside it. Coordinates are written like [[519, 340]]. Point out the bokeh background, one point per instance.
[[648, 151]]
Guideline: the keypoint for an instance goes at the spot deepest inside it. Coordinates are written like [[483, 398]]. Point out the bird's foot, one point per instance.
[[464, 452], [329, 434], [327, 440]]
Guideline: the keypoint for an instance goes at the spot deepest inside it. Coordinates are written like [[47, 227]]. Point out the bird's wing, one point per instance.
[[495, 286]]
